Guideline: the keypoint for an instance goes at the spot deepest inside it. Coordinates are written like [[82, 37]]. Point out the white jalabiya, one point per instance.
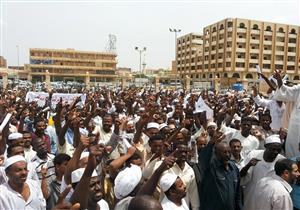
[[291, 94], [273, 193], [14, 200]]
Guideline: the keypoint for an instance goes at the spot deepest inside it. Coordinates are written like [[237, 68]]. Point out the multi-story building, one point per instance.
[[3, 63], [71, 65], [189, 55], [233, 47]]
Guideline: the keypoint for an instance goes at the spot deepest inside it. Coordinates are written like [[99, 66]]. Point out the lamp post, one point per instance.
[[140, 50], [18, 55], [175, 31]]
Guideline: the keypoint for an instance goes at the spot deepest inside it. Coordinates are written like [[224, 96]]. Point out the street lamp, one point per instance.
[[175, 31], [18, 53], [140, 50]]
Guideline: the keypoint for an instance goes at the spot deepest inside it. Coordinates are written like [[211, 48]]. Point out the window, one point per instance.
[[214, 29], [255, 26], [242, 25], [268, 28], [236, 75], [266, 66], [249, 76], [221, 26], [229, 24], [281, 30], [293, 31]]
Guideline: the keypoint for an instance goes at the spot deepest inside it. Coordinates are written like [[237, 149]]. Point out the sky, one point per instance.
[[86, 25]]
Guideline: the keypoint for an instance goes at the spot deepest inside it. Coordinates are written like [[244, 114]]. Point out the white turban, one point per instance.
[[273, 139], [77, 174], [212, 124], [15, 136], [152, 125], [167, 180], [127, 180], [163, 125], [13, 159]]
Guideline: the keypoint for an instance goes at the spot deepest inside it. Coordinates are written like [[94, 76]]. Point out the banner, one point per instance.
[[41, 97]]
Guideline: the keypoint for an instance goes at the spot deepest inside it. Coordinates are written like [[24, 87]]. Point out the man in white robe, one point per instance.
[[290, 94]]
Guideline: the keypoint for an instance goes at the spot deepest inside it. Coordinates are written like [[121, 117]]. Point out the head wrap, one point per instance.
[[13, 159], [127, 180], [167, 180]]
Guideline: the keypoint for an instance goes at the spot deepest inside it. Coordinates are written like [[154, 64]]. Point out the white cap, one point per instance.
[[15, 136], [273, 139], [130, 122], [152, 125], [167, 180], [84, 155], [212, 124], [163, 125], [77, 174], [13, 159], [127, 180]]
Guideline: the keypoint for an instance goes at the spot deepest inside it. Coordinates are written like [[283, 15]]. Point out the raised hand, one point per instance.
[[62, 204]]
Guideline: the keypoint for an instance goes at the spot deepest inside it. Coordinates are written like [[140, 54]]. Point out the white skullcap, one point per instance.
[[130, 122], [167, 180], [273, 139], [152, 125], [15, 136], [77, 174], [84, 155], [13, 159], [127, 180], [163, 125], [141, 109], [236, 117], [212, 124]]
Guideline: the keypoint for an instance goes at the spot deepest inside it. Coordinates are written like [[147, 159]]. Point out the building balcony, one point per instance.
[[253, 60], [291, 54], [292, 35], [254, 41], [221, 41], [280, 34], [279, 62], [267, 52], [220, 60], [279, 43], [291, 44], [206, 62], [206, 53], [229, 39], [241, 40], [228, 59], [241, 30], [228, 49], [213, 52], [196, 41], [240, 60], [268, 33], [267, 42], [254, 50], [291, 63], [279, 52], [213, 43], [240, 50], [255, 31], [267, 61]]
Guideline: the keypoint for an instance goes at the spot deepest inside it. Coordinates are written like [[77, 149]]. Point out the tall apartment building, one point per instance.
[[233, 47], [71, 65], [189, 55]]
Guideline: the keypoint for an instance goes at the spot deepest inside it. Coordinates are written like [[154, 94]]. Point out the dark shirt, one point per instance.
[[219, 187]]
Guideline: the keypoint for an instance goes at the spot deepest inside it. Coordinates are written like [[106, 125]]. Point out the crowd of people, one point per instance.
[[137, 149]]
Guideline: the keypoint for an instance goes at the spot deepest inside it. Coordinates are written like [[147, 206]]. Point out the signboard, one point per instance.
[[40, 98]]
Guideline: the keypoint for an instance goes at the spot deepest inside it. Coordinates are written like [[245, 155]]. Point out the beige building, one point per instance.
[[71, 65], [189, 55], [233, 47]]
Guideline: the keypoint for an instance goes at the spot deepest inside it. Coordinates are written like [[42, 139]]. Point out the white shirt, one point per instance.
[[256, 173], [169, 205], [12, 200], [273, 193], [103, 205], [29, 154], [249, 143], [187, 175], [276, 111]]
